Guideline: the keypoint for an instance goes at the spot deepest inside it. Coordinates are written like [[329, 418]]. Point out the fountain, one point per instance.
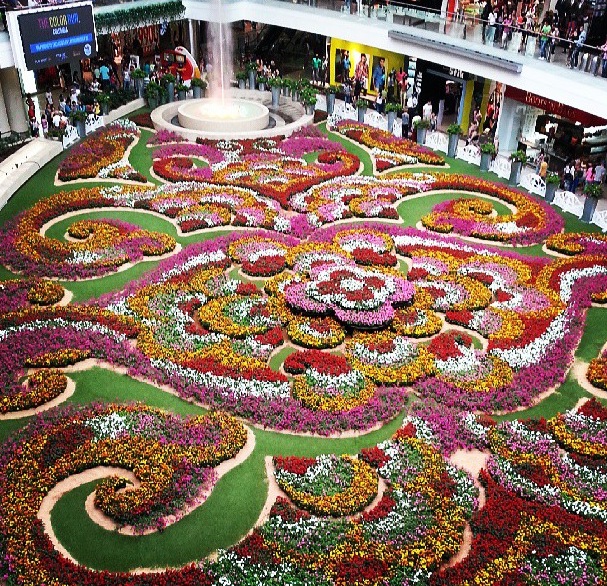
[[236, 116], [227, 113]]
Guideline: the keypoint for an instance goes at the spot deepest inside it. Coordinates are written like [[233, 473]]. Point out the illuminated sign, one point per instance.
[[52, 37]]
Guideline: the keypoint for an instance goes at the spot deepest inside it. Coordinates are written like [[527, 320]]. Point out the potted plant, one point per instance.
[[275, 83], [488, 151], [553, 180], [362, 106], [421, 125], [199, 86], [296, 90], [308, 97], [392, 109], [251, 72], [330, 95], [241, 78], [593, 192], [261, 83], [518, 159], [454, 131], [168, 81], [286, 87], [78, 118], [104, 102], [182, 91], [152, 94], [138, 75]]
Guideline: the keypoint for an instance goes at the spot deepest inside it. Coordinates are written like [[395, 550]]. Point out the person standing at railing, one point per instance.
[[487, 9], [507, 31], [491, 22], [603, 49], [544, 37], [578, 47]]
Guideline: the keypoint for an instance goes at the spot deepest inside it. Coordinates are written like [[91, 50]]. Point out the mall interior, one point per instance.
[[527, 102]]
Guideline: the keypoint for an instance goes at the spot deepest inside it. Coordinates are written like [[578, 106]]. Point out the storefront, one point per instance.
[[532, 123], [339, 48]]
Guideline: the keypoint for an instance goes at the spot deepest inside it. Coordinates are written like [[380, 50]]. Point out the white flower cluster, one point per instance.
[[353, 379], [200, 260], [109, 426], [80, 326], [225, 385], [569, 279], [534, 351]]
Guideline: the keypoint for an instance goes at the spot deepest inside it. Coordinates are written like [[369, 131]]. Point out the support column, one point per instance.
[[192, 29], [5, 127], [485, 102], [509, 124], [13, 100], [465, 103]]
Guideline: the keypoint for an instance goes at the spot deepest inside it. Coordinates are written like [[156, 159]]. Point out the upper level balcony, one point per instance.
[[453, 40]]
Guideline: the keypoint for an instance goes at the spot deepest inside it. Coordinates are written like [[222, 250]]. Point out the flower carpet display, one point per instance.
[[294, 298], [101, 153], [387, 149], [544, 519]]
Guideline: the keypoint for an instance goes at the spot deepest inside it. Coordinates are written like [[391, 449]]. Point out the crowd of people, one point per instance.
[[566, 26]]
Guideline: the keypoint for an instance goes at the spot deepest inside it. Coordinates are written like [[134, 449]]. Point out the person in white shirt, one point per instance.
[[427, 110], [599, 173], [492, 19]]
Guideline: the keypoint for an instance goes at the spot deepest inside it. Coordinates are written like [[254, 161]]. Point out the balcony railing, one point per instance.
[[460, 25]]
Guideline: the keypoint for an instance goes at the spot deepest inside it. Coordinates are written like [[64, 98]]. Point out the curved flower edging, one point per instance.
[[387, 149], [532, 222]]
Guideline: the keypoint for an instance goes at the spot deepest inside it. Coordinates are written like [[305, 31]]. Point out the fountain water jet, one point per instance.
[[220, 36]]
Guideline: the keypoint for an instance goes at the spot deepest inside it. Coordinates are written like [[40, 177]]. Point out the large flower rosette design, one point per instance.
[[356, 296]]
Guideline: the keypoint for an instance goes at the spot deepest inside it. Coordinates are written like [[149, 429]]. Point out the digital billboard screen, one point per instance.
[[52, 37]]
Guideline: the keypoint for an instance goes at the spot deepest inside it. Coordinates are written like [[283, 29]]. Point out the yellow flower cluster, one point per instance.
[[572, 442], [45, 292], [498, 374], [42, 386], [597, 373], [401, 370], [216, 314], [416, 322], [316, 399], [316, 332], [63, 357]]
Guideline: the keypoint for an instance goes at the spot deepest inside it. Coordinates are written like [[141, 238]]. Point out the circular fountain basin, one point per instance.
[[282, 121], [210, 115]]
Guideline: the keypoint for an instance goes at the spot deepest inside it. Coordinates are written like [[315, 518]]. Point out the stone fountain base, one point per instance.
[[281, 121]]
